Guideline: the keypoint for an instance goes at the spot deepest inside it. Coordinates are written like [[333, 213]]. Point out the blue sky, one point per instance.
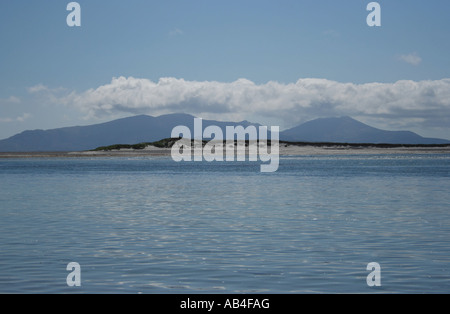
[[257, 55]]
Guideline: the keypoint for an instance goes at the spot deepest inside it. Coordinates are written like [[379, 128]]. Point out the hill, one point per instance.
[[349, 130]]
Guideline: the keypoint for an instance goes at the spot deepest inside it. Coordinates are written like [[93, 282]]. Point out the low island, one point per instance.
[[286, 148]]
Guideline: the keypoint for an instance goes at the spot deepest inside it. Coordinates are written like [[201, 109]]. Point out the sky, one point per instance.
[[276, 62]]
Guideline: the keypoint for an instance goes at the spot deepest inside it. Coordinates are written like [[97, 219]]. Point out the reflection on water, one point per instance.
[[155, 226]]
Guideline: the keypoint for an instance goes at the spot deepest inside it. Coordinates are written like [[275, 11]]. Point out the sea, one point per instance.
[[154, 226]]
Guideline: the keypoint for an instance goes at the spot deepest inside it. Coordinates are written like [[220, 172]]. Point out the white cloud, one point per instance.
[[6, 120], [331, 33], [47, 94], [38, 88], [11, 100], [41, 88], [411, 58], [22, 118], [393, 103], [176, 32]]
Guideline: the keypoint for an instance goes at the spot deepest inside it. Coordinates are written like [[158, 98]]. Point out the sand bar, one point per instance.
[[284, 150]]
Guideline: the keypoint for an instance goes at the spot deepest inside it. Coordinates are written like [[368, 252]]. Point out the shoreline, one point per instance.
[[284, 150]]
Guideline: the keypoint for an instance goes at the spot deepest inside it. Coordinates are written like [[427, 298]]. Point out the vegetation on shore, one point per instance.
[[169, 142], [164, 143]]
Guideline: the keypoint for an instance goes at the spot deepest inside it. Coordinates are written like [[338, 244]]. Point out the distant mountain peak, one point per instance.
[[129, 130], [349, 130], [184, 115]]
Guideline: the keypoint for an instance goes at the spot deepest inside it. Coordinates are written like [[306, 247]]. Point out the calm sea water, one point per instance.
[[150, 225]]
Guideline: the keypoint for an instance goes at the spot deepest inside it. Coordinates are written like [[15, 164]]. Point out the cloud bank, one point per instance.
[[403, 103]]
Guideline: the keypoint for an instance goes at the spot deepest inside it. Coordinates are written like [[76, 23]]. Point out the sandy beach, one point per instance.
[[284, 150]]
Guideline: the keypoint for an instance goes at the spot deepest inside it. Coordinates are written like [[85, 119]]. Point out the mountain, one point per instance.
[[130, 130], [348, 130], [139, 129]]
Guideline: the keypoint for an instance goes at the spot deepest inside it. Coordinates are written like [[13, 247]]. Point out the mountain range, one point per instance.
[[145, 128]]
